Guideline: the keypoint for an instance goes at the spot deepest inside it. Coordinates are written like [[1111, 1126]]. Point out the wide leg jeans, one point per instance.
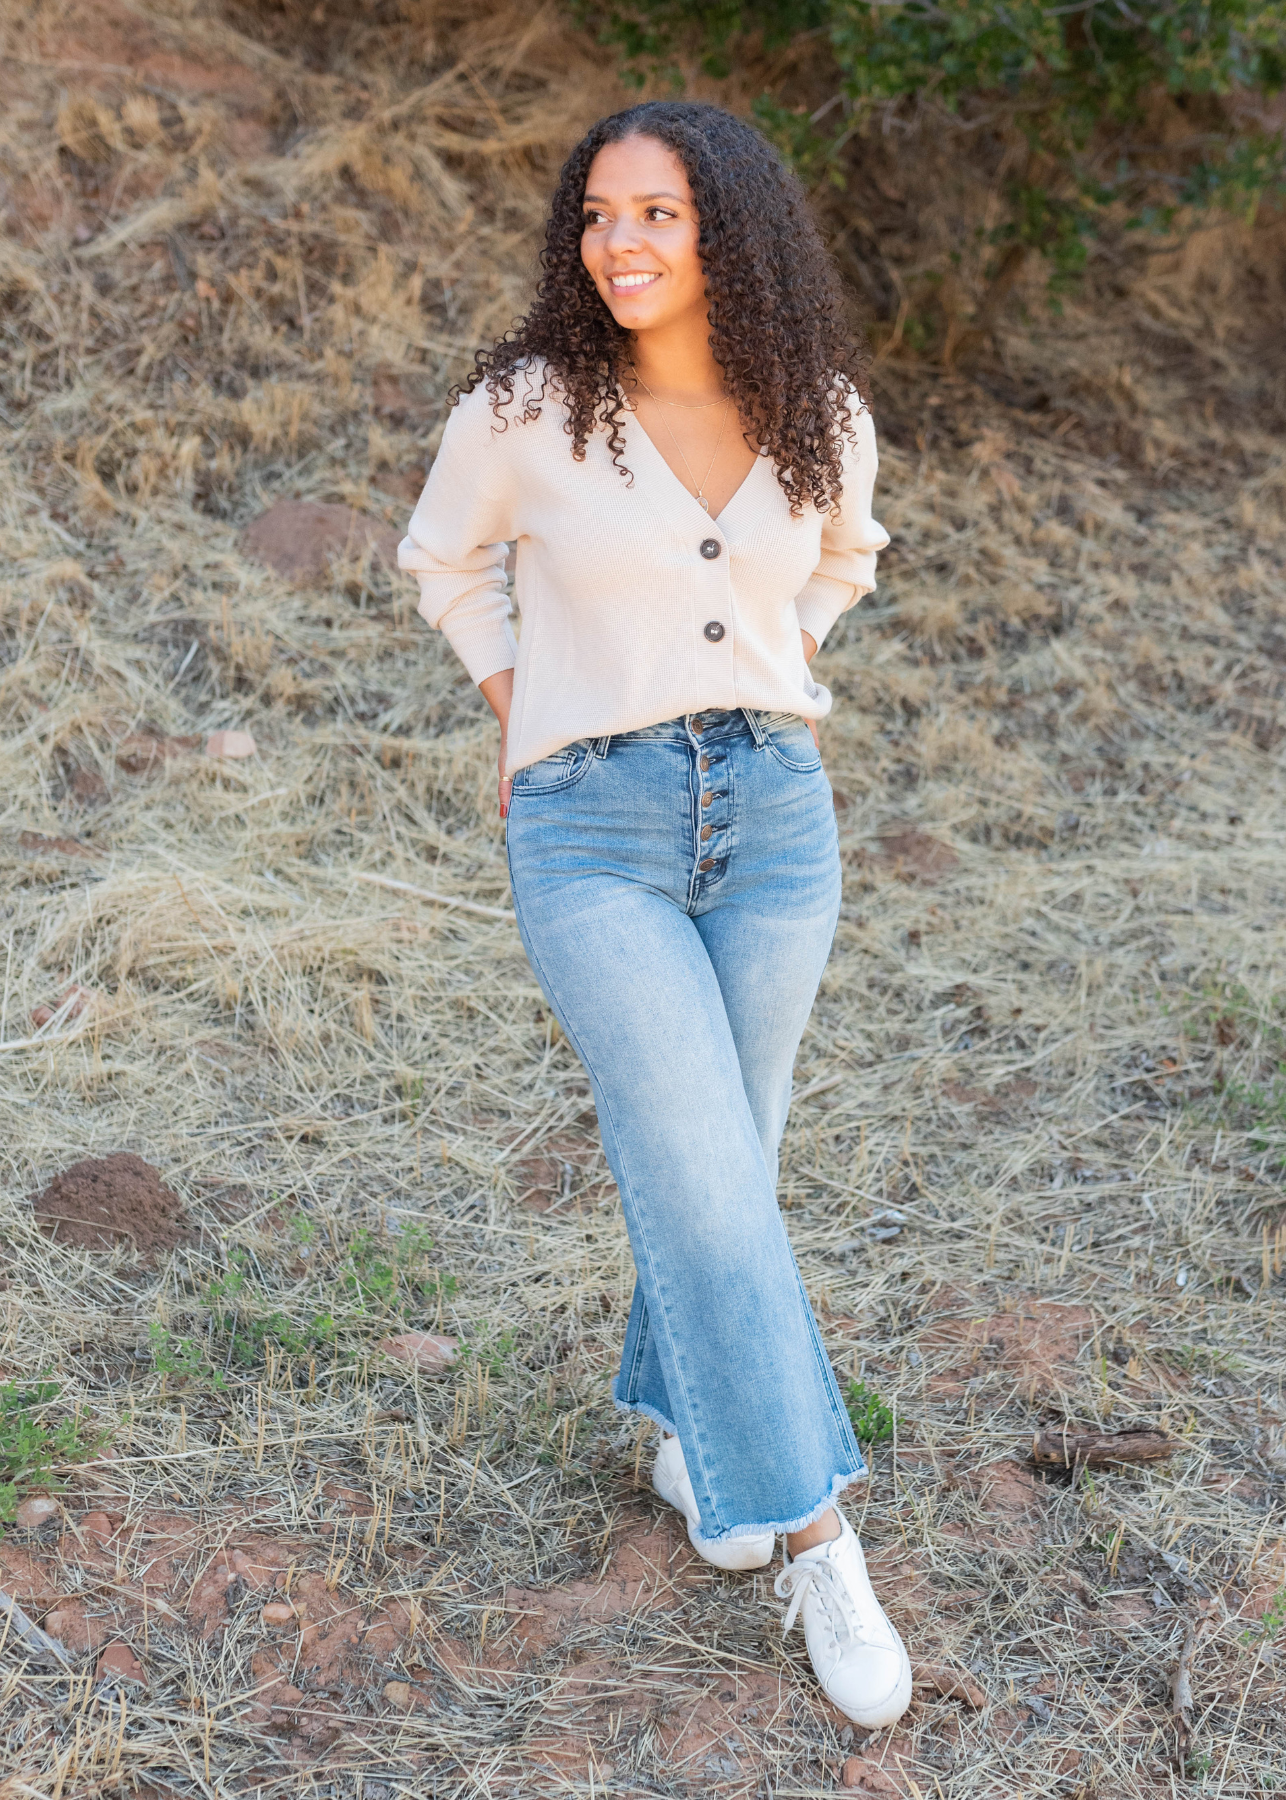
[[677, 890]]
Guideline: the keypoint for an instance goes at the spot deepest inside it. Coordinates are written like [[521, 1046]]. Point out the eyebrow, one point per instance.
[[638, 199]]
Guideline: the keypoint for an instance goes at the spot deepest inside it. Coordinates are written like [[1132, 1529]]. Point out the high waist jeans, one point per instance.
[[677, 890]]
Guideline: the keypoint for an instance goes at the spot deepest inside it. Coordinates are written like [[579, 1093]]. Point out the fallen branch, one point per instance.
[[404, 887], [1181, 1702], [937, 1678], [37, 1641], [1068, 1449]]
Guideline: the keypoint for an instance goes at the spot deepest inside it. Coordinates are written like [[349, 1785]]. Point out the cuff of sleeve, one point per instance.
[[818, 608], [485, 646]]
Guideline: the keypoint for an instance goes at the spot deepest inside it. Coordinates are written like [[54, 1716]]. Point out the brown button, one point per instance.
[[707, 799], [707, 832], [698, 725], [705, 763], [707, 862]]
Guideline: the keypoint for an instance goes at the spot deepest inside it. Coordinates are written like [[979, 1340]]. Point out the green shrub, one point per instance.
[[1080, 84], [31, 1448], [872, 1419]]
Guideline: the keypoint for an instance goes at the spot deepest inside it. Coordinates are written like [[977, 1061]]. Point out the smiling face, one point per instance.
[[640, 238]]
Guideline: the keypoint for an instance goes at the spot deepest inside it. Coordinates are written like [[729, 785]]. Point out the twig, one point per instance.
[[35, 1639], [404, 887]]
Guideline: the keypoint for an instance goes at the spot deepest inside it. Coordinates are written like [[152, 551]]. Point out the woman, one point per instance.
[[675, 436]]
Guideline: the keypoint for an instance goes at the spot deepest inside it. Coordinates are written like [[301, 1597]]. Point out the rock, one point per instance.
[[72, 1002], [37, 1511], [119, 1663], [868, 1778], [398, 1693], [146, 752], [300, 539], [278, 1612], [98, 1527], [230, 743], [431, 1355]]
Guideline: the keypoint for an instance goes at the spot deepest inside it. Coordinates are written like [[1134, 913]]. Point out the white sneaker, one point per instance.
[[671, 1480], [857, 1655]]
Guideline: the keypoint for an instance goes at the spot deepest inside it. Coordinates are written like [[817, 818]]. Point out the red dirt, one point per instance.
[[912, 855], [1036, 1344], [103, 1201]]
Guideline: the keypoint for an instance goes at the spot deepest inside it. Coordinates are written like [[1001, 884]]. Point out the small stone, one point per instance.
[[71, 1003], [398, 1693], [278, 1612], [859, 1772], [431, 1355], [37, 1511], [97, 1527], [230, 743], [119, 1663]]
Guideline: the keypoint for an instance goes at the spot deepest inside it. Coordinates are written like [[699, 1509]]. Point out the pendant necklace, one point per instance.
[[699, 496]]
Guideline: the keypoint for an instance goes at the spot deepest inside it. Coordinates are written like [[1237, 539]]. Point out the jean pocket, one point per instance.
[[792, 744], [561, 770]]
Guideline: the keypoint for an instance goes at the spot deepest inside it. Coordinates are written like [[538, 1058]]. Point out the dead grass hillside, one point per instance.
[[1034, 1173]]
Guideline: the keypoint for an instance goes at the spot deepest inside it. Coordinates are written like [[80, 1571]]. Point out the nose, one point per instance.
[[623, 235]]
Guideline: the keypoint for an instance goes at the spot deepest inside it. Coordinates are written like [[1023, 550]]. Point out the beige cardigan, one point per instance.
[[636, 605]]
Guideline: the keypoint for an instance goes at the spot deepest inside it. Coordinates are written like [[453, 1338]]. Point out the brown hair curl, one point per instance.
[[789, 359]]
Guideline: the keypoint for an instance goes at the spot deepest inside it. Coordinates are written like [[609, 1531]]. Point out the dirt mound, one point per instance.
[[95, 1204]]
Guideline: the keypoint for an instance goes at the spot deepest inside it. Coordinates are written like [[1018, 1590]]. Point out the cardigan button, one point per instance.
[[710, 548], [714, 631]]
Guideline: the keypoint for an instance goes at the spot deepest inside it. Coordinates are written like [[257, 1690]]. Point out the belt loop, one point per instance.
[[756, 729], [601, 746]]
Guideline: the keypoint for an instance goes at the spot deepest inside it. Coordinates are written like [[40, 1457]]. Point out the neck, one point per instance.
[[676, 361]]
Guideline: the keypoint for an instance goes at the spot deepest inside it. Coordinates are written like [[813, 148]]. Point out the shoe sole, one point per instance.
[[719, 1556]]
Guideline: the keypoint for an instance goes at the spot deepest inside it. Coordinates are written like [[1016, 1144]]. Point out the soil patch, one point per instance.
[[301, 538], [98, 1203]]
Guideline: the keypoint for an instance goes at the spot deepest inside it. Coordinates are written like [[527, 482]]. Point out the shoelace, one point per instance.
[[794, 1582]]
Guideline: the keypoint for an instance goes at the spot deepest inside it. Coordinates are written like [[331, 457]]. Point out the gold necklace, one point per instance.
[[699, 496]]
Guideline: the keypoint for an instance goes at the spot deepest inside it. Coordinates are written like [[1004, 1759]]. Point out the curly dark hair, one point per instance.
[[790, 360]]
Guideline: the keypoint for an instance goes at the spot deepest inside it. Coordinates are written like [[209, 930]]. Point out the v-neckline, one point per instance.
[[729, 503]]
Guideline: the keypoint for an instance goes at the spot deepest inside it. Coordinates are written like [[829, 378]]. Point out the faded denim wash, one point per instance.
[[677, 890]]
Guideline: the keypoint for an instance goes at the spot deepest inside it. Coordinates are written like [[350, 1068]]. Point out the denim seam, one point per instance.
[[579, 771], [795, 768], [573, 1037]]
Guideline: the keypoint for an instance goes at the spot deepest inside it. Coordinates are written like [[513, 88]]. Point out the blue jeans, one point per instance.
[[677, 890]]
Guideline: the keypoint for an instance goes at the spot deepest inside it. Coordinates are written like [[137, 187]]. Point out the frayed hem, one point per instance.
[[641, 1409], [783, 1527]]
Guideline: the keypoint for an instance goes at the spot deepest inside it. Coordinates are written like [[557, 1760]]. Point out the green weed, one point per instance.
[[1270, 1621], [30, 1448], [872, 1419]]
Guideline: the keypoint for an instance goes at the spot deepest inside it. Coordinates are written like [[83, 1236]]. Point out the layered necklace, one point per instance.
[[685, 406]]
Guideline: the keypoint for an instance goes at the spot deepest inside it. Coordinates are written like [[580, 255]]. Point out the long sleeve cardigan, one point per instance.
[[636, 605]]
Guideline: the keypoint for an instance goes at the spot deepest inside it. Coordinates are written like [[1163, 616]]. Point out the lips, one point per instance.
[[633, 283]]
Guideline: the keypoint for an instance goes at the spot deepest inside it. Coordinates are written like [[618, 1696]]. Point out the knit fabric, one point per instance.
[[623, 581]]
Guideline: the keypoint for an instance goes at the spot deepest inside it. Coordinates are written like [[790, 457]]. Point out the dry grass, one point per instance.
[[1034, 1172]]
